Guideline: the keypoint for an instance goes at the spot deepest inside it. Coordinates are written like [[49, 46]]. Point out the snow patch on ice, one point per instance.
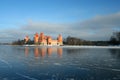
[[83, 68], [58, 64], [115, 69], [107, 69]]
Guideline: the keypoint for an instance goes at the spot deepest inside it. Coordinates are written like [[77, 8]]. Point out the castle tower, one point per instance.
[[49, 42], [36, 37], [60, 40], [42, 39]]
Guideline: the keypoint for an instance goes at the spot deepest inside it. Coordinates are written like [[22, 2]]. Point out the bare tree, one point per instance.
[[115, 38]]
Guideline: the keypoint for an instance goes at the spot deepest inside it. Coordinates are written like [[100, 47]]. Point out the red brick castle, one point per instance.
[[41, 39]]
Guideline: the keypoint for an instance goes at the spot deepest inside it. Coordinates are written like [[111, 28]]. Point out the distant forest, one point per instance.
[[114, 40]]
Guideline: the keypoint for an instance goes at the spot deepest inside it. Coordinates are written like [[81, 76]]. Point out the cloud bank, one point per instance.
[[96, 28]]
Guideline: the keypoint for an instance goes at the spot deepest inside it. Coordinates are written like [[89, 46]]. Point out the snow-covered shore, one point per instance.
[[94, 47], [69, 46]]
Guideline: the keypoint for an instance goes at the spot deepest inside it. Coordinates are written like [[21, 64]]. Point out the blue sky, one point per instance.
[[86, 19]]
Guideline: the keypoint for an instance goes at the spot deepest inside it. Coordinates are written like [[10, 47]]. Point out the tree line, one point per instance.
[[114, 40], [22, 42]]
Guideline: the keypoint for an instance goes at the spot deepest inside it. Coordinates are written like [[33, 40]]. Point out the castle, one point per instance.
[[41, 39]]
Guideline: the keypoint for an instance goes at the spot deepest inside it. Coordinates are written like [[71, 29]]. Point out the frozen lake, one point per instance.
[[59, 63]]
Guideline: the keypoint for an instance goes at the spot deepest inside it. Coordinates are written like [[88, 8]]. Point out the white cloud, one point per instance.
[[97, 28]]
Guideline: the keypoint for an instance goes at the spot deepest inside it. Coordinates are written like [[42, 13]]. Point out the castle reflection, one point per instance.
[[44, 51], [26, 51]]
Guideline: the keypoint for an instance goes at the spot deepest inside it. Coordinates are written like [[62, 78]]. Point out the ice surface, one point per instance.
[[64, 63]]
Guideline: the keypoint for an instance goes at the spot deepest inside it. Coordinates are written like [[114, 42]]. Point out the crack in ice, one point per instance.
[[28, 77], [6, 63]]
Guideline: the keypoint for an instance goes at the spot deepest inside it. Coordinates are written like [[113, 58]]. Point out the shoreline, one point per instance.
[[72, 46], [75, 46]]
